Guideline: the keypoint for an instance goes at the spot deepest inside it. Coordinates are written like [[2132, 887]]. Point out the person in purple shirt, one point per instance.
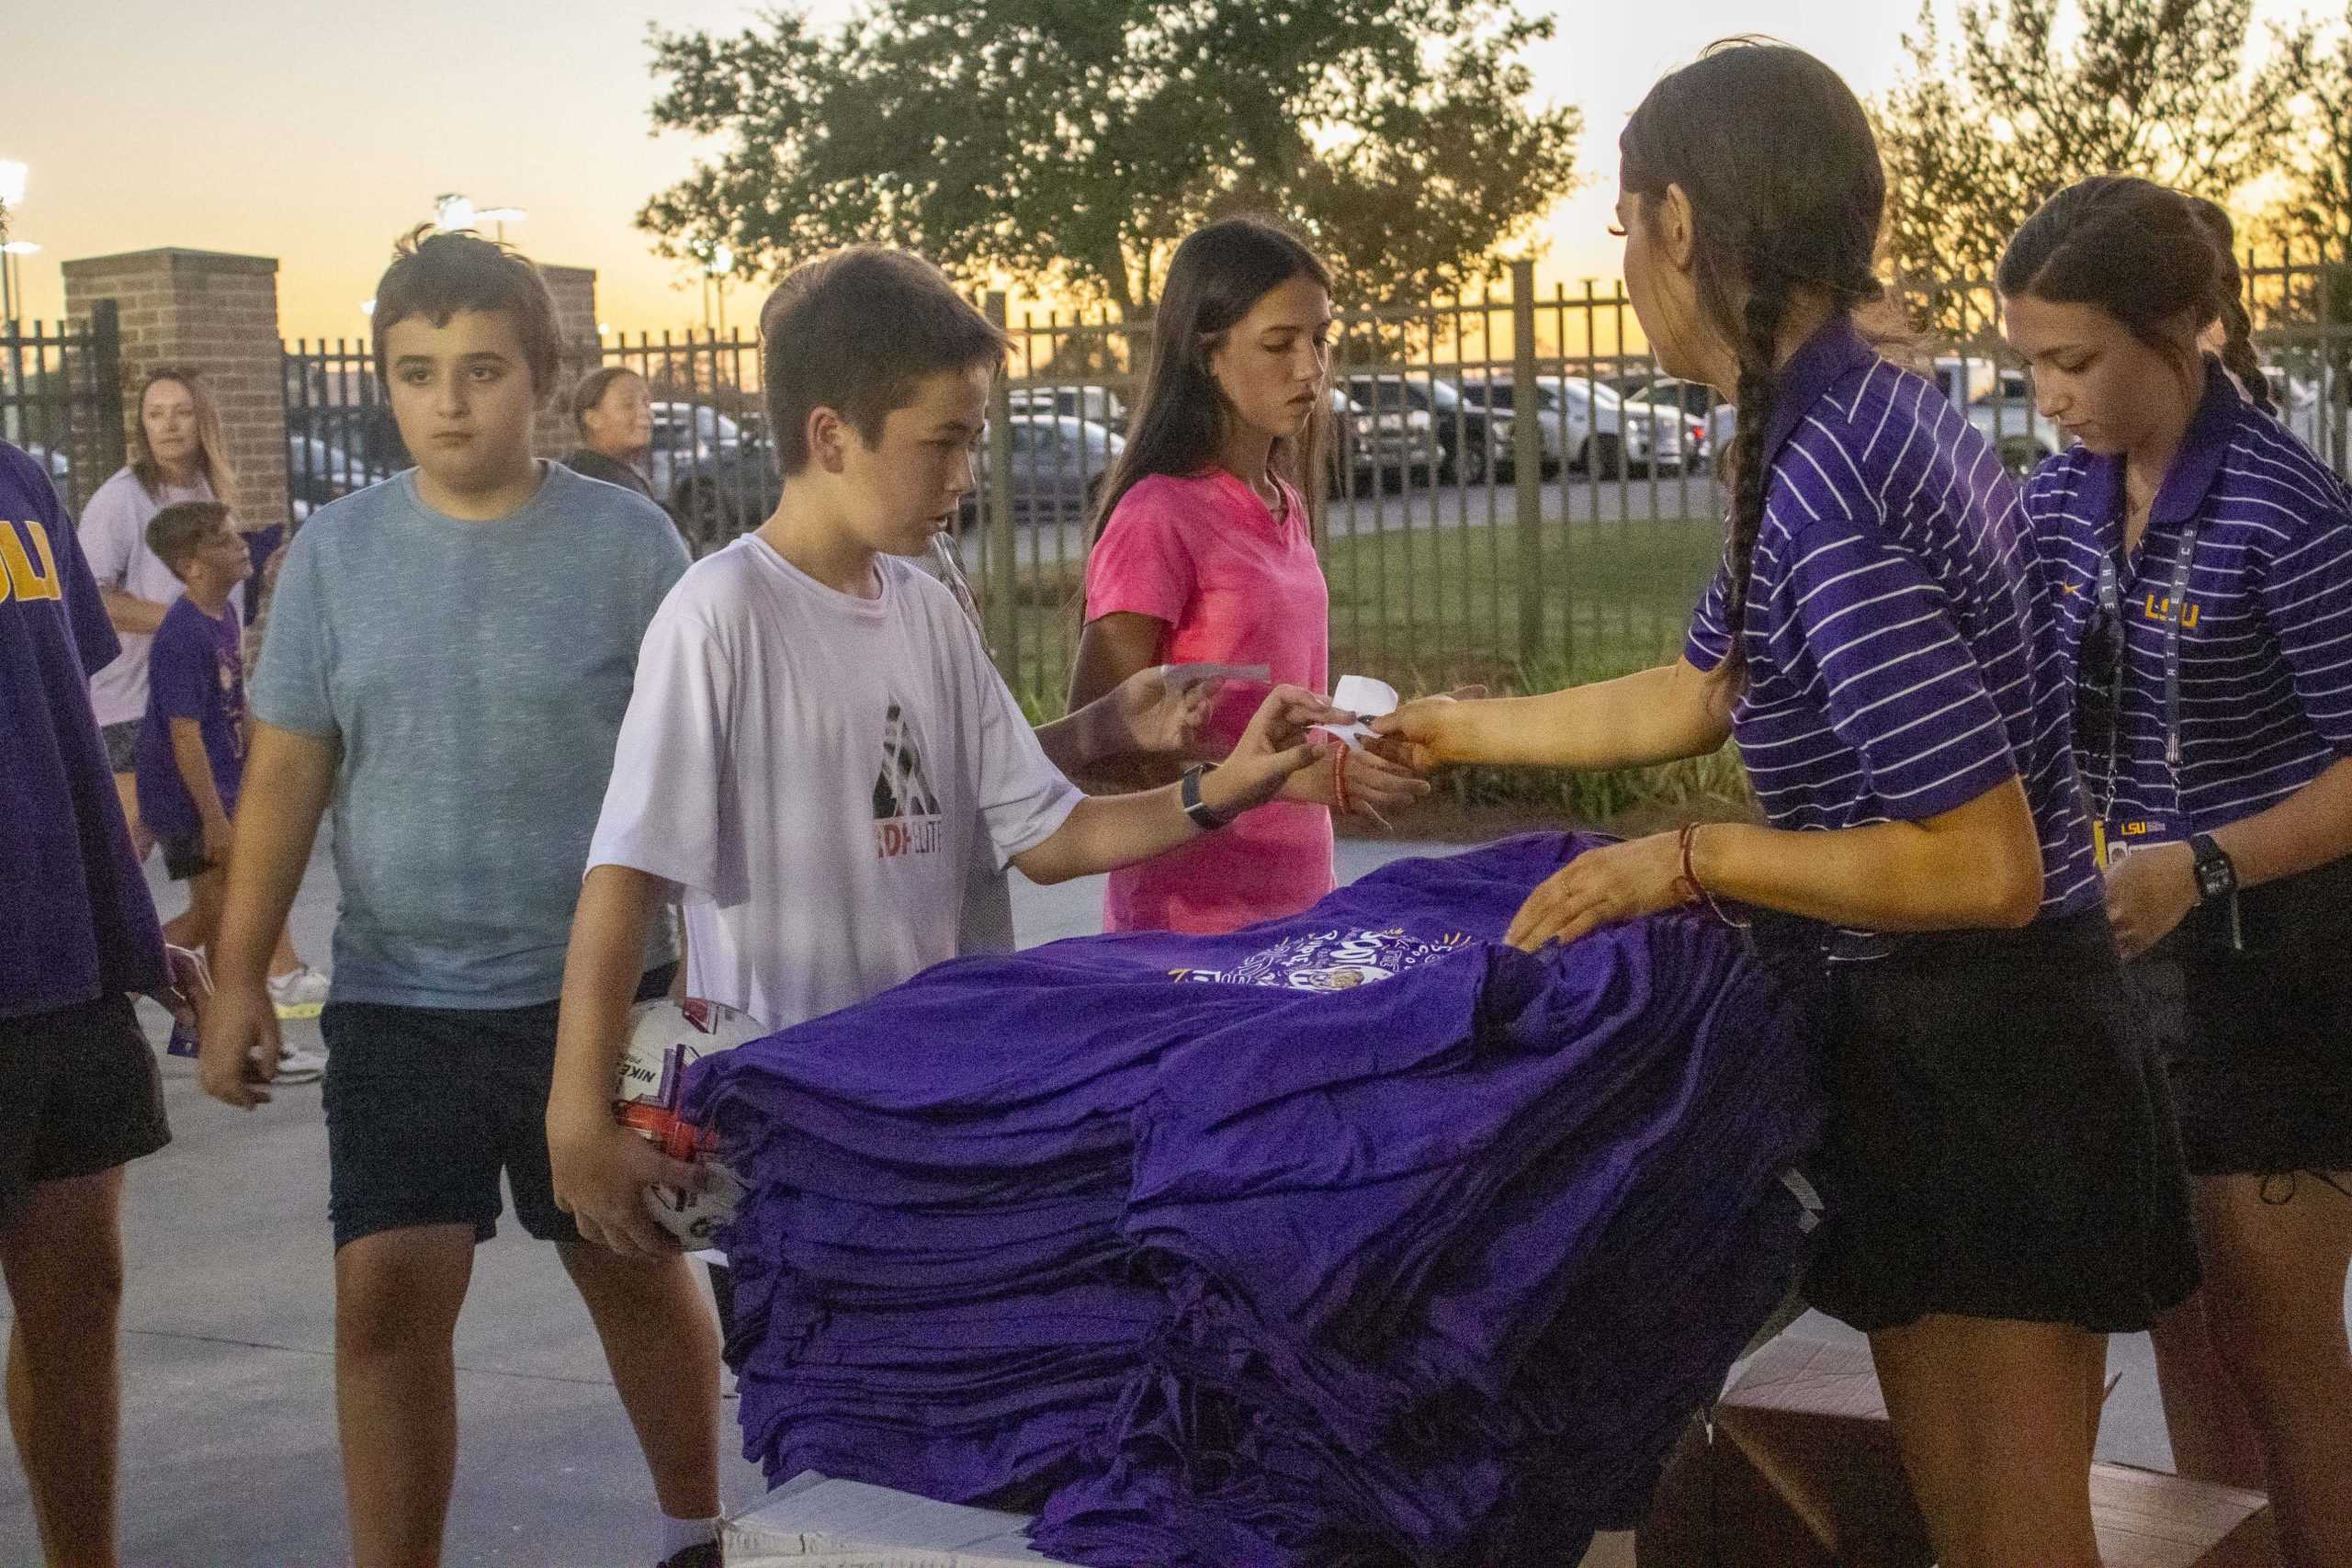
[[2001, 1184], [2201, 564], [77, 938]]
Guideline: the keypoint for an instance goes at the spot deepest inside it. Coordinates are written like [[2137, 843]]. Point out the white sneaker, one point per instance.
[[298, 1066], [298, 993]]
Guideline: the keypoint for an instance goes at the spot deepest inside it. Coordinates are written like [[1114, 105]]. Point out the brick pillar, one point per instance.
[[218, 313], [574, 288]]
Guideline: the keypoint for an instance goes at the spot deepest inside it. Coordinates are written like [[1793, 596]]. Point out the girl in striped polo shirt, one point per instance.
[[2001, 1187], [2201, 567]]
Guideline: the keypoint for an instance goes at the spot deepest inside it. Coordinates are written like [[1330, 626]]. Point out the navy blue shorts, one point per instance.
[[427, 1106]]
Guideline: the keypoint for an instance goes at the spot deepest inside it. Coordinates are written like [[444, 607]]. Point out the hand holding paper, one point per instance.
[[1367, 699]]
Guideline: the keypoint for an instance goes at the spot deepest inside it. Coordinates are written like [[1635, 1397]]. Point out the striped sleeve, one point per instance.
[[2305, 591], [1707, 643], [1897, 681]]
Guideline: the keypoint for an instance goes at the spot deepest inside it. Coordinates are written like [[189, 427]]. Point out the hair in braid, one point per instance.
[[2237, 346], [1777, 159], [2155, 260]]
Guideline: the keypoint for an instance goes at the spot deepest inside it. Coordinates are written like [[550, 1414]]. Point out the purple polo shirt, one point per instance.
[[2265, 642], [76, 920], [1899, 659]]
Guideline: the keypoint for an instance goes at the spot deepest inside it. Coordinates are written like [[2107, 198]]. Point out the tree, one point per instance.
[[2316, 207], [1977, 136], [1071, 143]]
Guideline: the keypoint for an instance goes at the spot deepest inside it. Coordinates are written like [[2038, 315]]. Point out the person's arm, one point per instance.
[[1653, 715], [195, 765], [602, 1169], [1103, 833], [289, 778], [132, 614], [2306, 599]]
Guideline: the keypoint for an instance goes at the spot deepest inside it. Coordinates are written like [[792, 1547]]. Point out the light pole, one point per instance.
[[12, 275], [718, 264], [454, 209], [13, 177]]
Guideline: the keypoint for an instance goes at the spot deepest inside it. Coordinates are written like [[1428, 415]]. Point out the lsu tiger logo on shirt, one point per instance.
[[28, 568]]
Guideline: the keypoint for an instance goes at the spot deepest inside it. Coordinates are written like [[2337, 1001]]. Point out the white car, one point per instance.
[[1709, 420], [1096, 405], [1999, 400], [1587, 426]]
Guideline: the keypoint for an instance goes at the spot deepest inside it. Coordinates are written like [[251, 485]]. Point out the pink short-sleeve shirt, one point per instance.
[[1236, 586]]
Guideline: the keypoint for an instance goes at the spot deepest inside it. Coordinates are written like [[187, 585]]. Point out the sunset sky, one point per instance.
[[287, 128]]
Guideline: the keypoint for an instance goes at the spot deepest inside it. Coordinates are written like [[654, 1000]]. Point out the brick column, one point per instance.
[[218, 313], [574, 288]]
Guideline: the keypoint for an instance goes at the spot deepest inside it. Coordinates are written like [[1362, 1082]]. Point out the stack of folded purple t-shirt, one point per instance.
[[1356, 1237]]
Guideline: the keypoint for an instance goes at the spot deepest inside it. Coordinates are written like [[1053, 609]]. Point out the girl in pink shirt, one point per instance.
[[1205, 553]]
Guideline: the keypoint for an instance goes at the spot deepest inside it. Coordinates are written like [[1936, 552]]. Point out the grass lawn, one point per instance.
[[1431, 608]]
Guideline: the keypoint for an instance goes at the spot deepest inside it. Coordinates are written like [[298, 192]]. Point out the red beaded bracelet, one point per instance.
[[1698, 889], [1340, 780]]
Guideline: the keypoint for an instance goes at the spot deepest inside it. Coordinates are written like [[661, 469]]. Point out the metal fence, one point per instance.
[[60, 397], [1470, 529]]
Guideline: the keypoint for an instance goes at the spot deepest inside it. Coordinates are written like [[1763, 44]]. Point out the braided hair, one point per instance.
[[1777, 162], [2155, 260], [2237, 346]]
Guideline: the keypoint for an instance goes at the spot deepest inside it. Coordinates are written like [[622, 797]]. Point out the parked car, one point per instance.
[[1587, 424], [318, 471], [1493, 393], [1391, 444], [367, 434], [1999, 400], [1708, 419], [1059, 463], [1097, 405], [1451, 429]]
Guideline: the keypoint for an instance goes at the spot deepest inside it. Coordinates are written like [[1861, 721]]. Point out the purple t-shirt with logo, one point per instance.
[[1901, 656], [75, 919], [195, 671]]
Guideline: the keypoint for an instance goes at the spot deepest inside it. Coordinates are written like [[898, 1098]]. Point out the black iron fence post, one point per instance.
[[1527, 461]]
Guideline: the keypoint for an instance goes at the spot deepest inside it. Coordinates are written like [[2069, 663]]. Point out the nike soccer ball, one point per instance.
[[665, 1038]]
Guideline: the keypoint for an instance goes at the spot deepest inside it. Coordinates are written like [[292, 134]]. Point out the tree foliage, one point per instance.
[[1071, 143], [1977, 135]]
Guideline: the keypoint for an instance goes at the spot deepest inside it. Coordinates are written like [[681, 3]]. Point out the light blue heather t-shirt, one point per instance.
[[475, 675]]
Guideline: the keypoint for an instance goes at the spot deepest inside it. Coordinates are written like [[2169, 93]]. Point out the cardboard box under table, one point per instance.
[[817, 1521], [1802, 1472]]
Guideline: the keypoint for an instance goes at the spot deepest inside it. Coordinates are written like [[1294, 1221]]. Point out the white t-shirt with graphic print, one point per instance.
[[817, 770]]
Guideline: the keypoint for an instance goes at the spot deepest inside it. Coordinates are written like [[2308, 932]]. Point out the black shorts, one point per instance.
[[425, 1106], [1999, 1141], [2259, 1040], [184, 859], [83, 1096], [122, 745]]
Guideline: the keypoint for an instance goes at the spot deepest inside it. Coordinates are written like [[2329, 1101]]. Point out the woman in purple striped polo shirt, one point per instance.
[[2001, 1182], [2202, 562]]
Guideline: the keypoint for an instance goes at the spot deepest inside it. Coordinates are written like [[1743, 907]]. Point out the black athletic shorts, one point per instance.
[[427, 1106], [184, 859], [122, 745], [83, 1096], [1999, 1141], [2260, 1040]]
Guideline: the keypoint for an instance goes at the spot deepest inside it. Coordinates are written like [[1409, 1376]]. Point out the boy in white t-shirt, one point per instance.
[[816, 735]]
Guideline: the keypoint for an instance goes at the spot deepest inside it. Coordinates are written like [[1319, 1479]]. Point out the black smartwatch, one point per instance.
[[2216, 876], [1204, 815]]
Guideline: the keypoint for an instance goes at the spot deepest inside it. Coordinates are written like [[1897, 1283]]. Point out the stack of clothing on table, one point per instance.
[[1356, 1237]]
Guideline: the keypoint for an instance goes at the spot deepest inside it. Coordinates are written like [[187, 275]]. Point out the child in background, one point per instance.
[[190, 755]]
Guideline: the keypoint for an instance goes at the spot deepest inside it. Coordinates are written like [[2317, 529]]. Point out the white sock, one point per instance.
[[679, 1534]]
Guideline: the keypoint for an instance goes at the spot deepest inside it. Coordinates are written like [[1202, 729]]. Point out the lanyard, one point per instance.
[[951, 572], [2110, 604]]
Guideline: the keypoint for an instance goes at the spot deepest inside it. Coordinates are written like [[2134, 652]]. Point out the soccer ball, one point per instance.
[[663, 1037]]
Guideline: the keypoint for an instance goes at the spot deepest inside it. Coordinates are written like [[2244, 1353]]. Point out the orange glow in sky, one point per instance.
[[316, 134]]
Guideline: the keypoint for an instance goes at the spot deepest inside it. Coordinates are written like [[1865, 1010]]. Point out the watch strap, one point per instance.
[[1204, 815]]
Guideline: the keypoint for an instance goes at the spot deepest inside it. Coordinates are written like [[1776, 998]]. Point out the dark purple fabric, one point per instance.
[[196, 669], [1353, 1237], [76, 920]]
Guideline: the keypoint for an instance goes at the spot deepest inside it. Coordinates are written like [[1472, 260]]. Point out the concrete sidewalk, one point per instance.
[[228, 1437]]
